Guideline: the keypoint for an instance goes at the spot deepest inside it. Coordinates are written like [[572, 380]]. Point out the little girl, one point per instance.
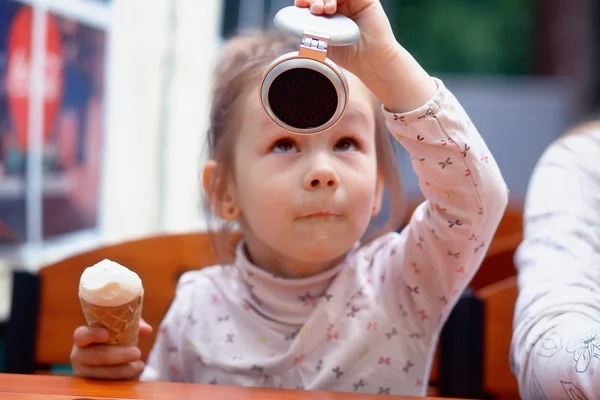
[[309, 303]]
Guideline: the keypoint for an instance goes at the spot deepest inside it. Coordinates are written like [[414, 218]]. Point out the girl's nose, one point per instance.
[[321, 176]]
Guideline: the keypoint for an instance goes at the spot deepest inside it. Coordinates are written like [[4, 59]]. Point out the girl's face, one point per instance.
[[304, 201]]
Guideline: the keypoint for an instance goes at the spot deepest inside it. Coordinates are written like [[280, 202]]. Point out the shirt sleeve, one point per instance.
[[166, 360], [555, 350], [447, 237]]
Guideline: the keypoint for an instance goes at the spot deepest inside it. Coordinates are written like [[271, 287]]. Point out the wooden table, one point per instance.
[[38, 387]]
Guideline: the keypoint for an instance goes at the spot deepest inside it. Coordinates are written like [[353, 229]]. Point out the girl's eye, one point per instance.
[[346, 144], [284, 146]]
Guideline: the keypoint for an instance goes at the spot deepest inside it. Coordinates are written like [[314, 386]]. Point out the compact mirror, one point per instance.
[[304, 92]]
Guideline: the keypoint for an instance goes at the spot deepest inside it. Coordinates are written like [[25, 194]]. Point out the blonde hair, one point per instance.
[[239, 70]]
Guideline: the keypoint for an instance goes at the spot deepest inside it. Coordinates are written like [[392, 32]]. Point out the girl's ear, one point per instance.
[[377, 202], [220, 197]]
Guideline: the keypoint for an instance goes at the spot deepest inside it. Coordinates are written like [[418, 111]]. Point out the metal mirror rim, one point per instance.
[[292, 61]]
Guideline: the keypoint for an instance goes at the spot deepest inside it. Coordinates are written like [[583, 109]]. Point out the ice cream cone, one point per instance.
[[122, 322], [111, 297]]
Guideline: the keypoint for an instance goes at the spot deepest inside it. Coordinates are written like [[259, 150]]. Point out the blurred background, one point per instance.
[[104, 103]]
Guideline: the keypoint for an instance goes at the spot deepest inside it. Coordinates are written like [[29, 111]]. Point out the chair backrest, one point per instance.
[[499, 302], [159, 261]]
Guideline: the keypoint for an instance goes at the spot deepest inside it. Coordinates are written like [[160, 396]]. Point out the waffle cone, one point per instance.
[[122, 322]]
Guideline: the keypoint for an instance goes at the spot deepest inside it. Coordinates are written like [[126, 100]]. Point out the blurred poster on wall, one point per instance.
[[12, 178], [72, 124], [74, 147]]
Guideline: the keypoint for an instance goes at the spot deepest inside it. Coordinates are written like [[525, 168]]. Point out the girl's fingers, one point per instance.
[[317, 6], [130, 370], [85, 336], [103, 355], [330, 6], [145, 328]]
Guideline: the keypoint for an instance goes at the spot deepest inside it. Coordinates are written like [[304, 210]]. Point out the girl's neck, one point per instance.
[[281, 265], [280, 300]]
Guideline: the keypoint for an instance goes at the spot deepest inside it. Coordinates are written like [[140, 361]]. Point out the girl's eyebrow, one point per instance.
[[356, 115], [356, 112]]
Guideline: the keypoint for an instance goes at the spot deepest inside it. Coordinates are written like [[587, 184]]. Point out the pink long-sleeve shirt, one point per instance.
[[371, 323]]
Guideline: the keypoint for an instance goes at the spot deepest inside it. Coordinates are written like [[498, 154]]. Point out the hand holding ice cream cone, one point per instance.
[[106, 348], [91, 357]]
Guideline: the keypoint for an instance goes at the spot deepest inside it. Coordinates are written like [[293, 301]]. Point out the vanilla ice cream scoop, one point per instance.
[[109, 284]]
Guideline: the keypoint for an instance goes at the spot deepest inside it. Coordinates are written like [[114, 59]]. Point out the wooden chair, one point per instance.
[[35, 343], [499, 301], [45, 309]]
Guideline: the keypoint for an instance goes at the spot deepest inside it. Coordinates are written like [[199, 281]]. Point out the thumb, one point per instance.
[[145, 328]]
